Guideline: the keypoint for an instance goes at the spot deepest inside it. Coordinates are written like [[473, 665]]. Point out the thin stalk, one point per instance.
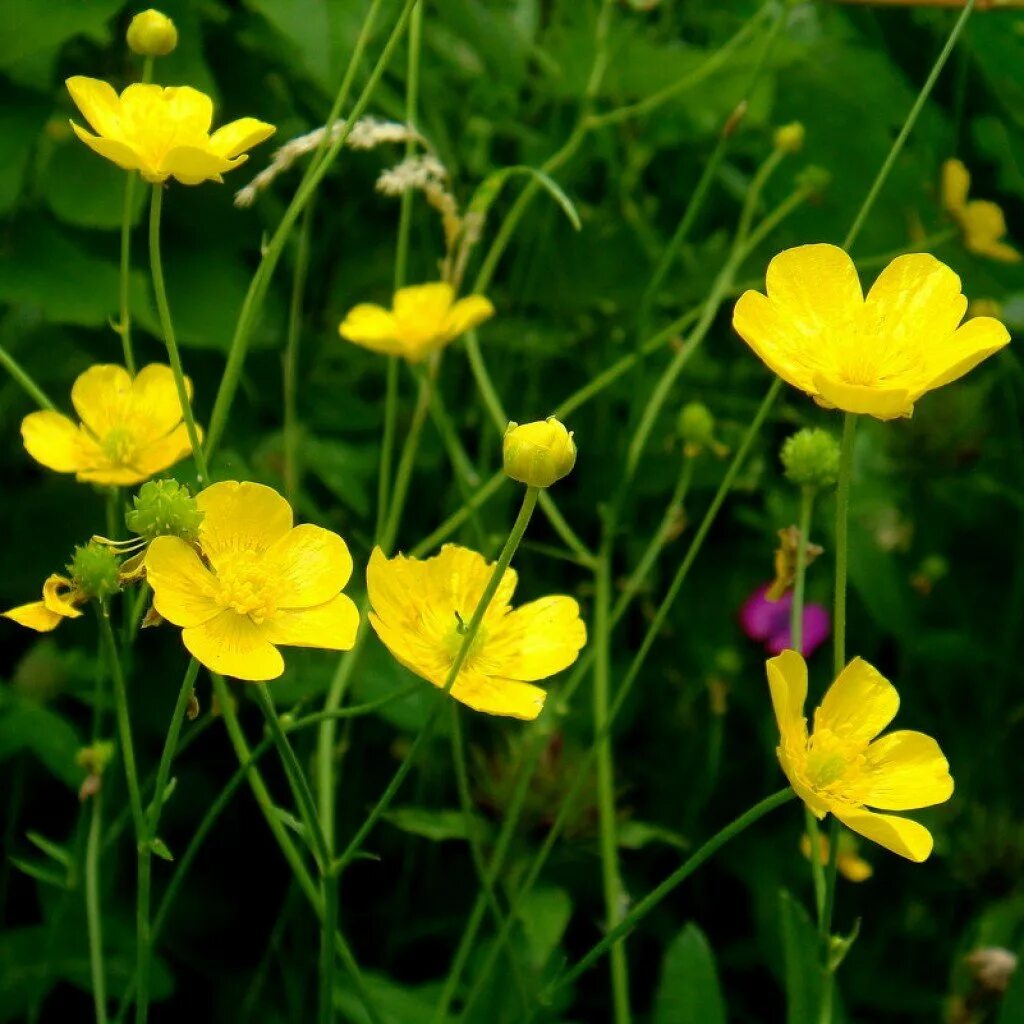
[[160, 289], [511, 544], [94, 909], [24, 381], [842, 541]]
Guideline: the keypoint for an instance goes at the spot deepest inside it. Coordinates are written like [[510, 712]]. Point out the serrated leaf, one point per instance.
[[689, 991]]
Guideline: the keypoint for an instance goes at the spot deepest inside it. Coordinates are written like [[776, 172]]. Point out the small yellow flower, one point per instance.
[[849, 863], [877, 354], [421, 609], [261, 582], [981, 221], [423, 319], [162, 132], [131, 428], [840, 767], [538, 454], [60, 600]]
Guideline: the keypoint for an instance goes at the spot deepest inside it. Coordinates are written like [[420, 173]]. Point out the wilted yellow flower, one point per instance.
[[849, 863], [151, 34], [423, 319], [60, 600], [162, 132], [131, 427], [538, 454], [876, 355], [840, 767], [255, 582], [421, 609], [981, 221]]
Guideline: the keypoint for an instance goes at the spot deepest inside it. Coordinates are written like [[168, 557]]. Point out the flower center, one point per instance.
[[829, 759], [119, 446], [454, 638], [247, 588]]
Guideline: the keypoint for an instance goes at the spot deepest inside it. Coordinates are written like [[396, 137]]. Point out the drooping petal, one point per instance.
[[787, 680], [101, 396], [53, 441], [35, 615], [331, 625], [125, 156], [859, 704], [309, 565], [98, 103], [902, 771], [373, 327], [232, 645], [908, 838], [499, 697], [183, 588], [466, 314], [59, 596], [535, 641], [951, 357], [192, 165], [235, 137], [956, 183], [241, 517], [166, 451], [884, 403]]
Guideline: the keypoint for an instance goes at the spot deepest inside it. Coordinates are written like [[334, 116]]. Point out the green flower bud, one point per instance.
[[811, 458], [814, 179], [538, 454], [152, 34], [164, 507], [696, 424], [789, 138], [95, 570], [95, 759]]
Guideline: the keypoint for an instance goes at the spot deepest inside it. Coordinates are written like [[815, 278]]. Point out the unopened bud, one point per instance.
[[95, 570], [811, 458], [538, 454], [152, 34], [814, 180], [789, 138], [164, 508]]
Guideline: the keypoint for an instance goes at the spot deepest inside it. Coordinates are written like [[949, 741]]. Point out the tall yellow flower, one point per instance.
[[420, 612], [162, 132], [423, 319], [255, 583], [60, 600], [981, 221], [840, 767], [131, 427], [875, 355]]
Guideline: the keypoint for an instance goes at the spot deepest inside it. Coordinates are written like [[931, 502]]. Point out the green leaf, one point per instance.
[[802, 962], [396, 1004], [689, 991], [487, 191], [161, 849], [1011, 1007], [436, 825], [22, 117], [634, 835], [27, 726], [31, 28], [85, 190], [41, 873], [53, 850], [544, 916]]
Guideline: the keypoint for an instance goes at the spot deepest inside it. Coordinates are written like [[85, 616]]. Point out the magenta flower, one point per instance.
[[768, 622]]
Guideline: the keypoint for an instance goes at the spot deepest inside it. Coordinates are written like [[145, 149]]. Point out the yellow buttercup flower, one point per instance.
[[423, 319], [877, 354], [162, 132], [980, 220], [840, 767], [421, 609], [60, 600], [131, 427], [849, 863], [256, 582]]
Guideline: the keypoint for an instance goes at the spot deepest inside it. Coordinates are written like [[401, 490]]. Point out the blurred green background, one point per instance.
[[937, 571]]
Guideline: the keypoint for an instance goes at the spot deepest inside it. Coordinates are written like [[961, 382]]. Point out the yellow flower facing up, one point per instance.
[[255, 583], [162, 132], [875, 355], [60, 600], [849, 862], [421, 609], [131, 428], [840, 766], [423, 319], [981, 221]]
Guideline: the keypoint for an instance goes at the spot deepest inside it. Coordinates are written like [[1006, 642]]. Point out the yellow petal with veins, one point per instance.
[[232, 645]]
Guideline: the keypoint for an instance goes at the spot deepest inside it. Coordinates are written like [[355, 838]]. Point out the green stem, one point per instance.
[[511, 544], [163, 771], [27, 384], [842, 541], [94, 909], [156, 266]]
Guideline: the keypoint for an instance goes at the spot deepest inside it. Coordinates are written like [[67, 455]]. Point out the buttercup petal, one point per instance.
[[956, 183], [235, 137], [499, 697], [424, 307], [882, 403], [166, 451], [98, 103], [466, 314], [53, 441], [156, 407], [101, 396], [904, 770], [189, 109], [241, 517], [120, 153], [232, 645], [859, 704], [192, 165], [765, 328], [908, 838], [331, 625], [58, 595], [951, 357], [373, 327], [183, 588], [310, 565], [787, 681], [536, 640], [35, 615], [814, 287], [106, 474]]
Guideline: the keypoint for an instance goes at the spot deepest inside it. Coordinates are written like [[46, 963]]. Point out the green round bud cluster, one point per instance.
[[152, 34], [811, 458], [164, 507], [95, 570], [696, 424]]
